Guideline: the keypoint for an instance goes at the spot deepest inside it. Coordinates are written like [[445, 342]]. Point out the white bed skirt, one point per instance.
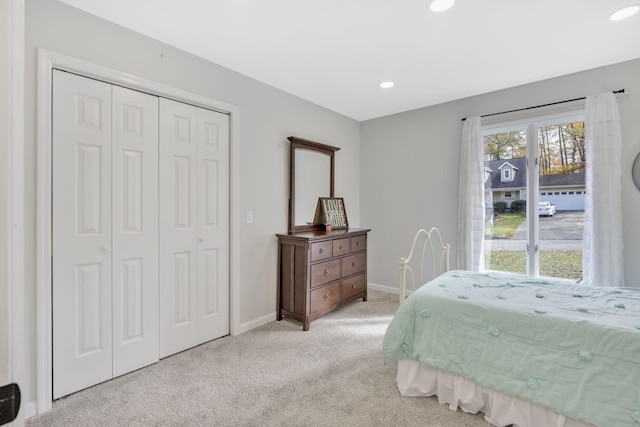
[[500, 409]]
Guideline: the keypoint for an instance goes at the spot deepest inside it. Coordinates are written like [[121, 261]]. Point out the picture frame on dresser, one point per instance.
[[331, 211]]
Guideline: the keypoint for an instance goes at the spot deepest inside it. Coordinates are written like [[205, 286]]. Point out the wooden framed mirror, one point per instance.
[[311, 175]]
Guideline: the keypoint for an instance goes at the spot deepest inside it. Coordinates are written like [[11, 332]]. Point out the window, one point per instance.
[[526, 242], [506, 174]]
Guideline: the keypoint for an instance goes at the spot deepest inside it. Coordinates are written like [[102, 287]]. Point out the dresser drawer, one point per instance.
[[325, 272], [353, 264], [358, 243], [320, 250], [325, 296], [352, 286], [341, 247]]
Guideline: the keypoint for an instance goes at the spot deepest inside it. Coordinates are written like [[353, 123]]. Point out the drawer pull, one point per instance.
[[354, 286], [326, 297], [326, 272], [321, 250], [341, 247], [353, 264], [357, 243]]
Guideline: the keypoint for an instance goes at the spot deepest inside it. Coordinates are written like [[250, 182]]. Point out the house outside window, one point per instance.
[[556, 146]]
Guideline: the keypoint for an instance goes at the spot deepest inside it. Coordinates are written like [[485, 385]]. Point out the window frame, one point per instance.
[[531, 124]]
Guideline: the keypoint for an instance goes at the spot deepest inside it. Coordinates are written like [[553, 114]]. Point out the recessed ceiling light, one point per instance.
[[624, 13], [386, 85], [441, 5]]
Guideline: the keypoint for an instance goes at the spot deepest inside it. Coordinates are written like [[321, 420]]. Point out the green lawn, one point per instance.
[[505, 225], [564, 264]]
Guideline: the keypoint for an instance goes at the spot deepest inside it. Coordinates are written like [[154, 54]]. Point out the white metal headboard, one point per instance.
[[443, 265]]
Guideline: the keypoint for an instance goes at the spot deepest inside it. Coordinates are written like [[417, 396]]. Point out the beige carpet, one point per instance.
[[275, 375]]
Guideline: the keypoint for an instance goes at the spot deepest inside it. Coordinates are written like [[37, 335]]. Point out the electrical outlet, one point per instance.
[[249, 217]]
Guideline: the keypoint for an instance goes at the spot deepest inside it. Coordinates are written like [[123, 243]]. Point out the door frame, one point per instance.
[[47, 61], [12, 198]]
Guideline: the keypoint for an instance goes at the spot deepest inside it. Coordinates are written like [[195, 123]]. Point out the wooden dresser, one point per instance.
[[320, 271]]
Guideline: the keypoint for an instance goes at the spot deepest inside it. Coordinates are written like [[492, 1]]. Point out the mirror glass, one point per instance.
[[312, 180]]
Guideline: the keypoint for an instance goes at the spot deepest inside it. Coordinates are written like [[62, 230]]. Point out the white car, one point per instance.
[[546, 209]]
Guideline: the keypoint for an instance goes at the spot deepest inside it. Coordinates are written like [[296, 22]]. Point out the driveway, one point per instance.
[[564, 225], [563, 231]]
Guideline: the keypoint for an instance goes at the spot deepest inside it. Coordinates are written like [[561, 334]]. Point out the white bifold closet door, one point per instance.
[[105, 231], [194, 226]]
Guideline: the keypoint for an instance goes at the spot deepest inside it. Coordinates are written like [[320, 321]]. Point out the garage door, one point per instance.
[[565, 200]]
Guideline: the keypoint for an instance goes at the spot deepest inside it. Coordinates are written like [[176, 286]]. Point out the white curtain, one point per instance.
[[471, 207], [602, 246]]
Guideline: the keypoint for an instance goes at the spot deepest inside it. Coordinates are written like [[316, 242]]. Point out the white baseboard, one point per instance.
[[255, 323], [382, 288], [30, 409], [386, 289]]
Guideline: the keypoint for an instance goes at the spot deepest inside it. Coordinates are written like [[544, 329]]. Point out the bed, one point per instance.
[[525, 352]]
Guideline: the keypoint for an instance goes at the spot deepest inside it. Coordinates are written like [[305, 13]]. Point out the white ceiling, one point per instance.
[[335, 53]]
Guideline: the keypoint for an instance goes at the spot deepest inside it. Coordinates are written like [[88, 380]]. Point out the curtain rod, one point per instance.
[[542, 105]]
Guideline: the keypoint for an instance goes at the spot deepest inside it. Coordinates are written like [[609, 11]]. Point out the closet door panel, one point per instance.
[[213, 225], [135, 229], [178, 232], [81, 212]]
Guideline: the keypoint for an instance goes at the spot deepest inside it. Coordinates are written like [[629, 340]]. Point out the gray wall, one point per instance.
[[396, 173], [267, 117], [410, 164]]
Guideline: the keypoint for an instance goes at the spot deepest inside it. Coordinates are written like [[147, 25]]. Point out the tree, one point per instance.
[[561, 149], [505, 145]]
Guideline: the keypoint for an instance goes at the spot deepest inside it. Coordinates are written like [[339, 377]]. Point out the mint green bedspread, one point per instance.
[[571, 348]]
